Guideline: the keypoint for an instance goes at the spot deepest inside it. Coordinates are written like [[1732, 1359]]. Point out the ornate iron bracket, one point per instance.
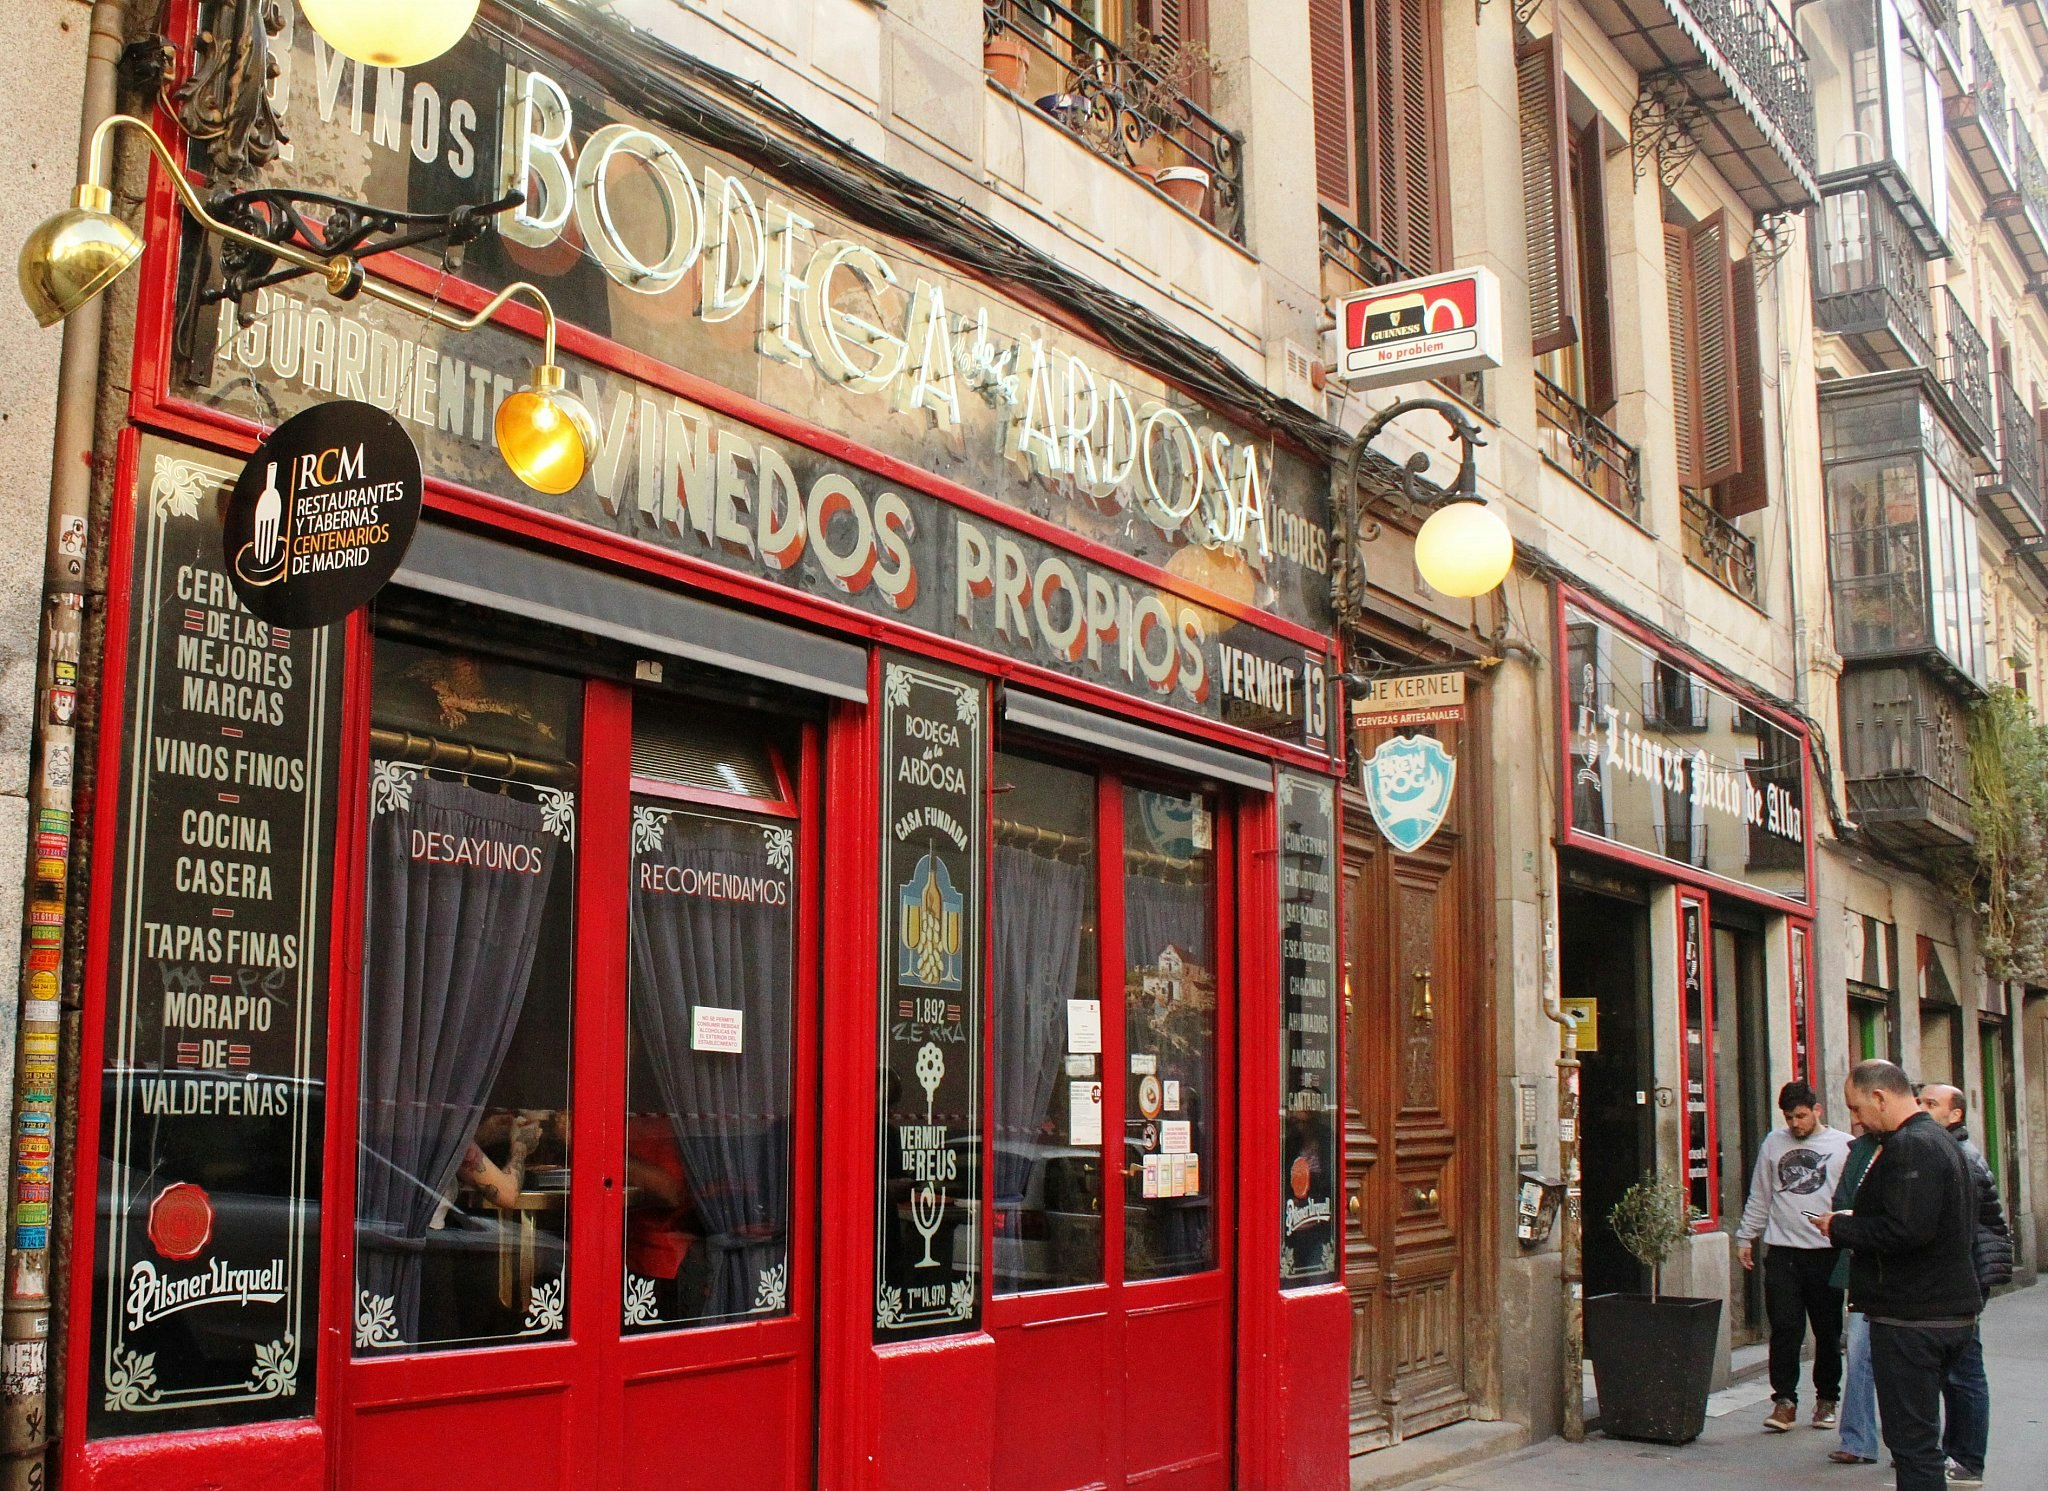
[[1660, 128], [225, 102], [347, 233], [1768, 240], [1525, 12], [1417, 495]]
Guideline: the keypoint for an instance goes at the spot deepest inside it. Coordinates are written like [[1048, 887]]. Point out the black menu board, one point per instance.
[[1692, 951], [206, 1300], [1311, 1030], [928, 1140]]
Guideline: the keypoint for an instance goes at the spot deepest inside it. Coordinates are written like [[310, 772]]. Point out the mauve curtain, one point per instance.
[[449, 950], [1039, 903], [730, 1111]]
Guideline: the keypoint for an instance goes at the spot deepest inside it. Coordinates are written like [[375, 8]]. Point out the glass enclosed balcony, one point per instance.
[[1902, 534], [1869, 279], [1877, 107], [1903, 762]]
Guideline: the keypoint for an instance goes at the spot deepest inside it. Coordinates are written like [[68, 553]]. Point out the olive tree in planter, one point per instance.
[[1653, 1354]]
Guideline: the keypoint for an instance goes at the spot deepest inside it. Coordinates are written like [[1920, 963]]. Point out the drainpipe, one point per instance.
[[1572, 1270], [25, 1318]]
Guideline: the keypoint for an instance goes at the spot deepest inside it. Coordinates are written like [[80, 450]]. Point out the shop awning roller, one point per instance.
[[485, 572], [1029, 711]]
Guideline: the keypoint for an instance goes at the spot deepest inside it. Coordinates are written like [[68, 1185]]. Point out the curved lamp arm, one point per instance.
[[1463, 429], [343, 274]]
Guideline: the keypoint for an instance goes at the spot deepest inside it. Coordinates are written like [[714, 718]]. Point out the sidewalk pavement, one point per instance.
[[1735, 1454]]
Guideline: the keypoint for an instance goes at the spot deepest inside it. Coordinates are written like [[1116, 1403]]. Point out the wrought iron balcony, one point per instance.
[[1588, 450], [1353, 262], [1732, 75], [1964, 366], [2034, 16], [2024, 215], [1130, 106], [1980, 117], [1869, 279], [1903, 759], [1718, 547], [2014, 489]]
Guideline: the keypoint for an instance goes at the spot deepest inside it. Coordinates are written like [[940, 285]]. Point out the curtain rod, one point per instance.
[[431, 751]]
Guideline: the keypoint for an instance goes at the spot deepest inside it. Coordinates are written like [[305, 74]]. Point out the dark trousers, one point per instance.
[[1911, 1363], [1966, 1399], [1796, 1294]]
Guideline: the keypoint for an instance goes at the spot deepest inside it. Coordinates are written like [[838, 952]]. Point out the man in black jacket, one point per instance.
[[1911, 1267], [1966, 1435]]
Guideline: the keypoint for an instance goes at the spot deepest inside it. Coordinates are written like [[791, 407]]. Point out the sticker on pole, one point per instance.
[[322, 515], [1426, 328]]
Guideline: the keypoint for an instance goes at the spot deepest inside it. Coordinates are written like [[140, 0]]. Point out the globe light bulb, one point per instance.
[[390, 33], [545, 435], [1464, 550]]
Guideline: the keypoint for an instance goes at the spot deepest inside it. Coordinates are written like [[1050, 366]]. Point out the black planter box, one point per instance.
[[1653, 1364]]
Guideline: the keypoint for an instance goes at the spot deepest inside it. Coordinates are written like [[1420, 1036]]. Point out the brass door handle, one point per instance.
[[1354, 1204], [1424, 1006]]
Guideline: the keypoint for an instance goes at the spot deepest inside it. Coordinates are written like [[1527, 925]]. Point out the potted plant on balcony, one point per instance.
[[1653, 1355], [1005, 54], [1158, 82]]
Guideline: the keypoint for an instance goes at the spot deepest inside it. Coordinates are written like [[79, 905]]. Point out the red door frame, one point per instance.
[[1117, 1300], [592, 1366]]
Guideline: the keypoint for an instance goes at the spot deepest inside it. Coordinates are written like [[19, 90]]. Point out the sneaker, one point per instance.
[[1784, 1414], [1850, 1457], [1824, 1414], [1957, 1476]]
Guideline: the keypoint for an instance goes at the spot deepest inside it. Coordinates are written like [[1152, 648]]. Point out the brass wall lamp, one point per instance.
[[545, 435]]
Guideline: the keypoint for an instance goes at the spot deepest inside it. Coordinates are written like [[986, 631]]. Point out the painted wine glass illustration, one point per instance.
[[928, 1205], [261, 560]]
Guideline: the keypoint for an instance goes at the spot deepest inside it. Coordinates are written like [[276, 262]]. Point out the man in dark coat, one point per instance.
[[1966, 1434], [1912, 1270]]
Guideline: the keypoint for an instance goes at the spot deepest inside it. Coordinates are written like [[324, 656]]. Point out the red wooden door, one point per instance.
[[1110, 1240], [581, 1250]]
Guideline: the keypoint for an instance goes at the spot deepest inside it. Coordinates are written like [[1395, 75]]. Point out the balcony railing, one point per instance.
[[2014, 489], [1738, 62], [1353, 262], [2026, 219], [1129, 106], [1903, 759], [1717, 546], [1869, 279], [1980, 117], [1588, 450], [1965, 369]]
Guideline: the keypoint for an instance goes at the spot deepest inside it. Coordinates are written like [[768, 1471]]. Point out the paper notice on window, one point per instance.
[[1084, 1113], [1180, 1175], [1151, 1175], [1194, 1187], [1143, 1063], [1084, 1026], [715, 1029], [1172, 1095], [1080, 1066], [1176, 1136]]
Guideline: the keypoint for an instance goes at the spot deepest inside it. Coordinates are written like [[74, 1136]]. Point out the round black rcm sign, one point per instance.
[[322, 514]]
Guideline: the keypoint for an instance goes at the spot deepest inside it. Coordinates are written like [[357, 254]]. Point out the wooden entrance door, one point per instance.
[[581, 1245], [1110, 1234], [1409, 1178]]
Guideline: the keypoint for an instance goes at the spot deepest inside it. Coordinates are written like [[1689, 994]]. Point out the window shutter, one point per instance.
[[1407, 133], [1714, 351], [1175, 24], [1596, 311], [1684, 379], [1749, 490], [1329, 55], [1546, 193]]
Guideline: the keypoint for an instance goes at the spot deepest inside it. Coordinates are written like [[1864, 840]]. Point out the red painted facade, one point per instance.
[[1214, 1379]]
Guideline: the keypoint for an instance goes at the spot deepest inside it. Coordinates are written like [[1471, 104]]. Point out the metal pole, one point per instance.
[[25, 1319], [1572, 1270]]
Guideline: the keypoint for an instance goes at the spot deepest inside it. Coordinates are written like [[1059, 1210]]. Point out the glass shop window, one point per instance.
[[464, 1146], [1170, 988], [711, 1010], [1048, 1178]]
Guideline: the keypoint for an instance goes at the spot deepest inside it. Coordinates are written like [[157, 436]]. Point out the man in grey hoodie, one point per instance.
[[1796, 1173]]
